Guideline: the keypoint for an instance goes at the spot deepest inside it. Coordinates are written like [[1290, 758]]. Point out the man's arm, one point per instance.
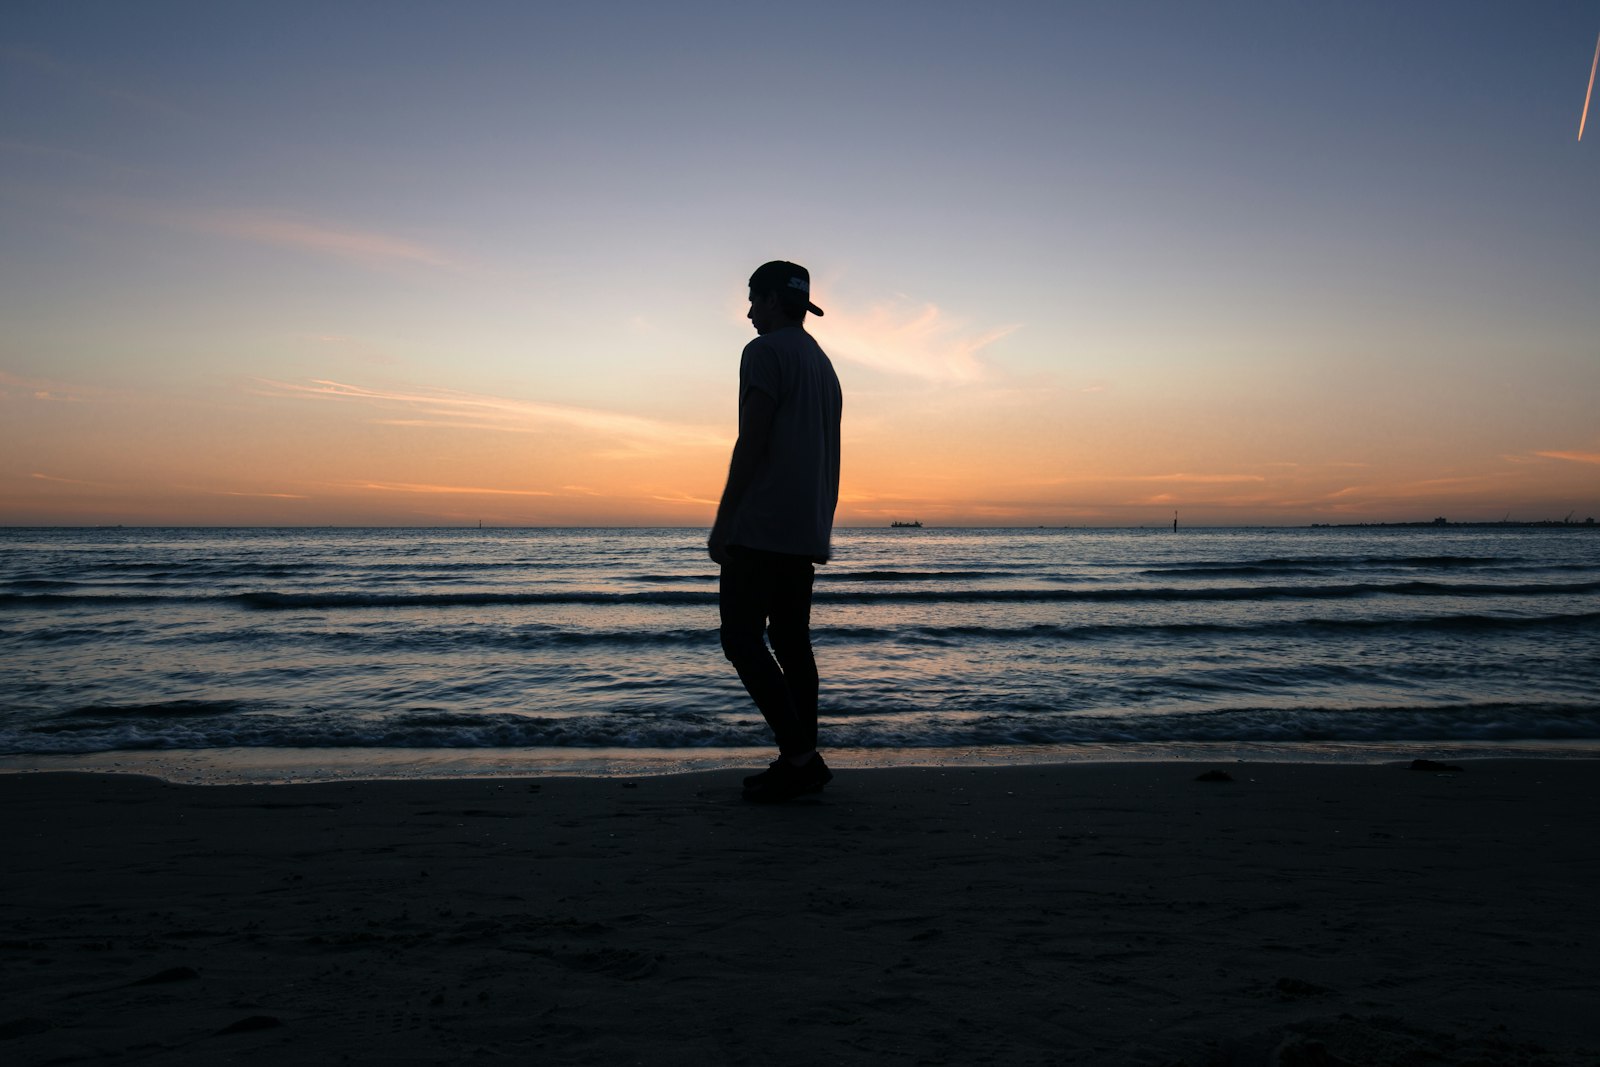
[[756, 413]]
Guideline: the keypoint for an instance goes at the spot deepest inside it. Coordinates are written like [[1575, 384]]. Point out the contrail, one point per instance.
[[1589, 92]]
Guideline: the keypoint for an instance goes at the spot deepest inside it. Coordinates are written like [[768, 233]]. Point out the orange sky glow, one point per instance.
[[1335, 267]]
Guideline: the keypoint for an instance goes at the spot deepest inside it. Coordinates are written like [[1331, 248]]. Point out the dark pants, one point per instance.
[[770, 593]]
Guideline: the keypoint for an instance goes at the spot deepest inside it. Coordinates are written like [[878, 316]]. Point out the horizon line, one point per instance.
[[1587, 521]]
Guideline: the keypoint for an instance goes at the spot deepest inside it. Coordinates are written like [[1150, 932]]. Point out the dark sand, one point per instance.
[[1299, 914]]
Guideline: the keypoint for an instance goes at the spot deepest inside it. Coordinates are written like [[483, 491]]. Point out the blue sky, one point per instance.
[[1084, 262]]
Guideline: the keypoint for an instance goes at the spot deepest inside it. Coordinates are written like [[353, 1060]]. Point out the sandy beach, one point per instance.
[[1098, 913]]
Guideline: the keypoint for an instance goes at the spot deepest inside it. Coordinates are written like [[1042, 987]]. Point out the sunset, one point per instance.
[[871, 533], [1082, 265]]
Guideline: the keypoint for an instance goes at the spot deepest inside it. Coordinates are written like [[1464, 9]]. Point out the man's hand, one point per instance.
[[717, 542]]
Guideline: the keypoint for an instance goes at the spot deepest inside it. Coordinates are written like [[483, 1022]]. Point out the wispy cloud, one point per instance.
[[1572, 457], [1181, 477], [1196, 479], [442, 408], [70, 481], [277, 229], [286, 231], [412, 487], [39, 388], [1414, 493], [685, 498], [233, 492], [920, 341]]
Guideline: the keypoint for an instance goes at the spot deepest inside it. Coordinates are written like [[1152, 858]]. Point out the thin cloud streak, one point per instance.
[[467, 490], [452, 409], [684, 498], [40, 389], [1113, 479], [275, 229], [71, 481], [1198, 479], [266, 496], [1572, 457], [280, 231], [918, 342]]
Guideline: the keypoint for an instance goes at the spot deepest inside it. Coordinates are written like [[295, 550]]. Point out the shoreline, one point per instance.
[[276, 766], [1093, 912], [268, 766]]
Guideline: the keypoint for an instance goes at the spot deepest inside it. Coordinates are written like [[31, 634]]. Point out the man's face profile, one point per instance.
[[764, 315]]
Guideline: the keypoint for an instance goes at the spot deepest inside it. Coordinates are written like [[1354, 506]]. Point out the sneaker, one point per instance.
[[820, 770], [784, 781], [753, 780]]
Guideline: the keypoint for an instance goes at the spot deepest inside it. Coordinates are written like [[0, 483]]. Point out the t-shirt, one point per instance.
[[789, 505]]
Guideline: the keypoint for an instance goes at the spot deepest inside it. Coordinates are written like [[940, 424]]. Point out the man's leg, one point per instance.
[[789, 628], [745, 593]]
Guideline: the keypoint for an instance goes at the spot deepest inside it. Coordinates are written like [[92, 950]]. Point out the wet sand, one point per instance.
[[1096, 913]]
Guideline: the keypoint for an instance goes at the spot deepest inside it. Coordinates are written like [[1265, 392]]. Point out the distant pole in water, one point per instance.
[[1174, 521]]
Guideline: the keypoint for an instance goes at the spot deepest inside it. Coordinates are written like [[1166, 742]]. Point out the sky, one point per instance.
[[1083, 263]]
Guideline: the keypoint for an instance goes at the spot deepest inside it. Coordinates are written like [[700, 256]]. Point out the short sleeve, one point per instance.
[[758, 369]]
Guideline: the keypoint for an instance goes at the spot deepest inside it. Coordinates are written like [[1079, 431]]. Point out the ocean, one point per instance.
[[263, 654]]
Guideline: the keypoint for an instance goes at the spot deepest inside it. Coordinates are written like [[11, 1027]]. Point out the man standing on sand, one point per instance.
[[776, 520]]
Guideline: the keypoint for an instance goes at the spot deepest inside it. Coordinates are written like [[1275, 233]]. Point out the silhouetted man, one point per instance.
[[776, 520]]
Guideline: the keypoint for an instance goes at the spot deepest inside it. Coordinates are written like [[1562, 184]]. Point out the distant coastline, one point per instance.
[[1434, 524]]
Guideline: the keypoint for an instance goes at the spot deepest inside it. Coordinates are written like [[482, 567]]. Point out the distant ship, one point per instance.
[[914, 524]]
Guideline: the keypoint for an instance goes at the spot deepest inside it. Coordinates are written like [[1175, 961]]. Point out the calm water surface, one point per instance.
[[351, 641]]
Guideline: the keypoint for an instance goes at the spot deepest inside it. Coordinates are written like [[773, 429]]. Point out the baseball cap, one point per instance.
[[786, 279]]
